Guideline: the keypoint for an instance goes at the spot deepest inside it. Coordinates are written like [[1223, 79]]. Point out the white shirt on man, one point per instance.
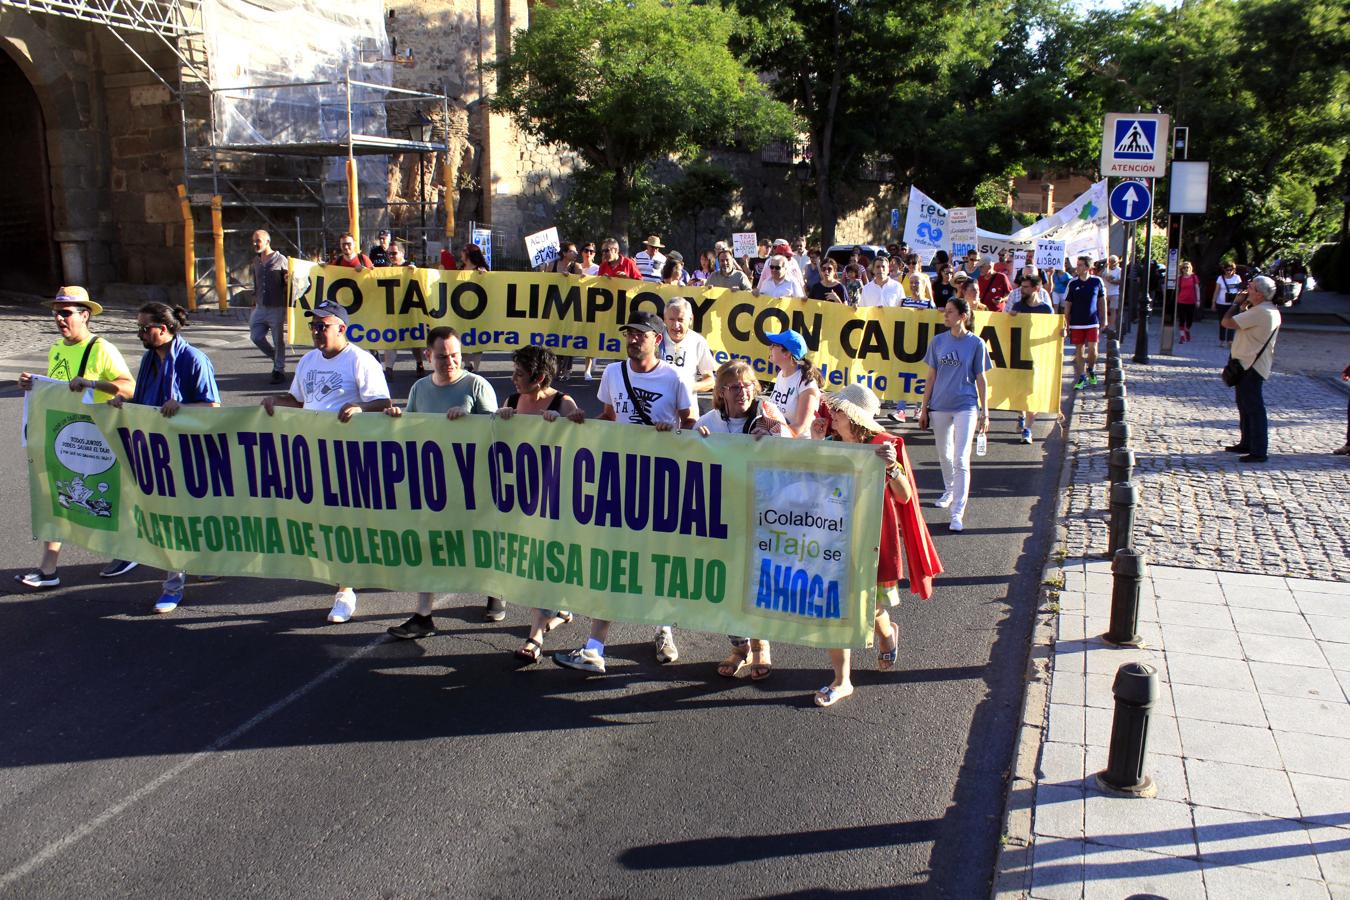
[[888, 293], [662, 392], [691, 357], [352, 375], [650, 265]]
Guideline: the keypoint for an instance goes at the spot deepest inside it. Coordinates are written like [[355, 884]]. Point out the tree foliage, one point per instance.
[[624, 84]]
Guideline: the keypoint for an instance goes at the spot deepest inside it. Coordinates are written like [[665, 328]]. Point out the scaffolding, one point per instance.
[[265, 147]]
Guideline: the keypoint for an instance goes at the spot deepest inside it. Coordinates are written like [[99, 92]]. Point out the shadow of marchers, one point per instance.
[[728, 851]]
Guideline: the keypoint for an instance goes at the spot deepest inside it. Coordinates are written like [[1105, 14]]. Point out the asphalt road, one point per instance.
[[243, 747]]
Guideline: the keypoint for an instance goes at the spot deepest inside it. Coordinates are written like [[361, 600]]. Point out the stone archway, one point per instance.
[[30, 261], [55, 58]]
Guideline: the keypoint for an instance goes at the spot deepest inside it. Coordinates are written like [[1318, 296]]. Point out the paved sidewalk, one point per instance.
[[1250, 740]]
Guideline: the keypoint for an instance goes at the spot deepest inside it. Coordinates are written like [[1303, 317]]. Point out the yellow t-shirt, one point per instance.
[[105, 363]]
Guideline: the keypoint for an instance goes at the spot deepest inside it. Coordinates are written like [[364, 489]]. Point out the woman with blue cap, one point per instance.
[[796, 390]]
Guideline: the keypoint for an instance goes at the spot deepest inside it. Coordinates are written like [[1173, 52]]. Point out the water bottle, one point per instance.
[[981, 444]]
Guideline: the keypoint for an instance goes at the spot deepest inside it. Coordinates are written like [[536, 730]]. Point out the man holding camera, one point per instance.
[[1256, 320]]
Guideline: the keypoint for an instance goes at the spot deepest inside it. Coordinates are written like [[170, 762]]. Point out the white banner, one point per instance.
[[1082, 226], [926, 223], [542, 247]]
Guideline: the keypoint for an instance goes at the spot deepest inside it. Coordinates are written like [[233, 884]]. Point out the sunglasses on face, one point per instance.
[[317, 327], [143, 330], [63, 313]]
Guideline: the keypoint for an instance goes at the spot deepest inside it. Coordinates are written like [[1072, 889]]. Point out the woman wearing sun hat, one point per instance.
[[87, 363], [852, 420]]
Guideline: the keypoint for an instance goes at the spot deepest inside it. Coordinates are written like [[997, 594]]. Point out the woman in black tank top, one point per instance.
[[533, 370]]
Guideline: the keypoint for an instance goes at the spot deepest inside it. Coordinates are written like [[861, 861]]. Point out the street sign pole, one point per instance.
[[1145, 269], [1180, 150]]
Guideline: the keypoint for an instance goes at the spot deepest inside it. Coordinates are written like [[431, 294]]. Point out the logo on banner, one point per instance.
[[82, 467], [1136, 138]]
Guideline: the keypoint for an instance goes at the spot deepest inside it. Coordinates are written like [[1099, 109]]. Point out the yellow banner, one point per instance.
[[774, 538], [580, 316]]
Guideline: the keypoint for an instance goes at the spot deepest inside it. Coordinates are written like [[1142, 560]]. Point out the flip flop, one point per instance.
[[531, 652], [886, 659], [560, 618], [829, 696], [733, 665], [764, 668]]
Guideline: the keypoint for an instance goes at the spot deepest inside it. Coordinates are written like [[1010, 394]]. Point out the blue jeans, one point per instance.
[[1253, 427]]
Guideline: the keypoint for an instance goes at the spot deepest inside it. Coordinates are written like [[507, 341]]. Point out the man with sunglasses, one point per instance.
[[614, 264], [777, 283], [270, 269], [336, 376], [87, 363], [349, 256]]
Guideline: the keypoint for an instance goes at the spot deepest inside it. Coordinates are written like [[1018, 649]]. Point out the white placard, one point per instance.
[[964, 230], [744, 243], [1189, 188], [1019, 260], [1050, 255], [925, 222], [543, 247]]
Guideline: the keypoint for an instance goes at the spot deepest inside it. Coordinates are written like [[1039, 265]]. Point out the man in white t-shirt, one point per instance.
[[651, 260], [1112, 277], [684, 349], [336, 376], [882, 290], [641, 390], [777, 281]]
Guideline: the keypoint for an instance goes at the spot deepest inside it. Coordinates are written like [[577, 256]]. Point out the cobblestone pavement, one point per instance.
[[1200, 507], [26, 332]]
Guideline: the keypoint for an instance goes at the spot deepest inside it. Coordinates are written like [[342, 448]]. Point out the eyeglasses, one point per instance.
[[143, 330], [739, 386], [63, 313], [319, 326], [775, 268]]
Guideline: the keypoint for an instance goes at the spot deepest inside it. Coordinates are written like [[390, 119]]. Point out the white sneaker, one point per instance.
[[168, 602], [956, 524], [584, 659], [344, 606], [944, 501], [665, 646], [590, 377]]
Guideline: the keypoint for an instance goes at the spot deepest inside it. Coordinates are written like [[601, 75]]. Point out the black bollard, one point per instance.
[[1122, 463], [1113, 362], [1124, 498], [1114, 376], [1118, 435], [1116, 389], [1136, 690], [1116, 407], [1113, 348], [1127, 571]]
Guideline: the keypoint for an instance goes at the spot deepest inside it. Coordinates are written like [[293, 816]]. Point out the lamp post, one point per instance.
[[803, 169], [419, 130]]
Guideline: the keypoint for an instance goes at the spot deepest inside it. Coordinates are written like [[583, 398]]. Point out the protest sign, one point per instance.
[[580, 316], [744, 243], [926, 223], [1082, 225], [1019, 260], [482, 237], [1049, 255], [961, 223], [775, 538], [542, 247]]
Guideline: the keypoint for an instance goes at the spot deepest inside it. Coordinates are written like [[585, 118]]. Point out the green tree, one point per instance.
[[1259, 86], [623, 84]]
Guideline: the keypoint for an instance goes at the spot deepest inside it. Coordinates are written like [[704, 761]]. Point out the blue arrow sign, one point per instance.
[[1130, 201]]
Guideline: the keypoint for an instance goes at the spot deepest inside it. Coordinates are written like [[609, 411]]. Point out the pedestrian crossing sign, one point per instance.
[[1136, 138], [1134, 145]]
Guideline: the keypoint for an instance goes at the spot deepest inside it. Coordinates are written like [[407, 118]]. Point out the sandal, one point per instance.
[[761, 663], [560, 618], [830, 695], [734, 664], [531, 652], [886, 658]]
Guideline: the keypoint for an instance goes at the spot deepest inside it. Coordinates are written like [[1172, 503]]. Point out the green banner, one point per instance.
[[775, 539]]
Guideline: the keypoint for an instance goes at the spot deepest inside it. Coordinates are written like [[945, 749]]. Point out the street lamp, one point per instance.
[[419, 130], [803, 170]]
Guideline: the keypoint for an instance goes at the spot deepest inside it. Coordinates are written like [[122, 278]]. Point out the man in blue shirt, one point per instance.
[[173, 374], [1086, 302]]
